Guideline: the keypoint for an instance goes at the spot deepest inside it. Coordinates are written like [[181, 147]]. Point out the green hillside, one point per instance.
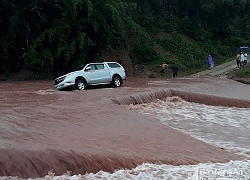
[[56, 36]]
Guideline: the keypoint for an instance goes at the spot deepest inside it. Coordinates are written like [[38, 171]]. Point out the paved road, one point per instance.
[[220, 70]]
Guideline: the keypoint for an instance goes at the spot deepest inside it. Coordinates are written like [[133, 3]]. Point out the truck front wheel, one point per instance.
[[81, 84]]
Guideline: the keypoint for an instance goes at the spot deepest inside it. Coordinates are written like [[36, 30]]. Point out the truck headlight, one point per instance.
[[70, 74]]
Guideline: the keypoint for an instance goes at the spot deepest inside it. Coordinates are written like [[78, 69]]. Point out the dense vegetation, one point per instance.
[[57, 35]]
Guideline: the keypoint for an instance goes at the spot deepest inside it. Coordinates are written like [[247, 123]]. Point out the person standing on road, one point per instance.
[[241, 59], [245, 59], [163, 67], [175, 70], [210, 62], [238, 60]]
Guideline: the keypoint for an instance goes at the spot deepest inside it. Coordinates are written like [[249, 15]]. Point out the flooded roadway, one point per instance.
[[44, 130]]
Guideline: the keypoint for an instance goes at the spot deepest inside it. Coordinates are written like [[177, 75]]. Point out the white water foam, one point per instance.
[[210, 171], [45, 92], [226, 127]]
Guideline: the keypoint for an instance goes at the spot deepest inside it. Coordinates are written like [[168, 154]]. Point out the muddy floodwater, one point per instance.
[[166, 122]]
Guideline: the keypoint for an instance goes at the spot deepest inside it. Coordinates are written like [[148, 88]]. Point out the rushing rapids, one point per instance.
[[187, 96], [32, 164]]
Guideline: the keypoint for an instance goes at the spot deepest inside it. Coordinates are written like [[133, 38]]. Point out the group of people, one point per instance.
[[173, 67], [165, 66], [241, 60]]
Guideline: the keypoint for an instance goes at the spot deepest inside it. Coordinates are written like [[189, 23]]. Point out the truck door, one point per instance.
[[104, 75], [92, 74]]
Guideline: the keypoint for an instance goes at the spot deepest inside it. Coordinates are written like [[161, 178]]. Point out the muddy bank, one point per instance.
[[85, 131]]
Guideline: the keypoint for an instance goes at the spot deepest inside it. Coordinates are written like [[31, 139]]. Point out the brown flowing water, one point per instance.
[[44, 130]]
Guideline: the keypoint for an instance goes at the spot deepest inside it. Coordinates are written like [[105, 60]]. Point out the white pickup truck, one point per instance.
[[92, 74]]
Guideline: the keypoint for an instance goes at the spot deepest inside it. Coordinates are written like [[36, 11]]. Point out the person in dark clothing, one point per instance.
[[238, 60], [175, 69]]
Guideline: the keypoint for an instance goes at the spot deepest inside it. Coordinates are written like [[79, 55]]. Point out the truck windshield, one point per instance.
[[80, 67]]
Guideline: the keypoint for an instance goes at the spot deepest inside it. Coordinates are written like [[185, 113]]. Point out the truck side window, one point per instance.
[[99, 66], [113, 65]]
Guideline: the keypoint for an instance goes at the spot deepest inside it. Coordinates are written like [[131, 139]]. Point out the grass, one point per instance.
[[243, 73]]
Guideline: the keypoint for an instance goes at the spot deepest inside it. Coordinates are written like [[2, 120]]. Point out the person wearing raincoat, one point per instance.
[[210, 62]]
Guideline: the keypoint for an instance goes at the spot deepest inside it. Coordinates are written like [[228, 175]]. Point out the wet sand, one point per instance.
[[87, 131]]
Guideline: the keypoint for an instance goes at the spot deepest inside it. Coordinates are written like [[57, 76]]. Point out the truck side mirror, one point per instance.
[[87, 68]]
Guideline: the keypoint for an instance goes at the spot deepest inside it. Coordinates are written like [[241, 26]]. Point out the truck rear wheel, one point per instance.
[[116, 81]]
